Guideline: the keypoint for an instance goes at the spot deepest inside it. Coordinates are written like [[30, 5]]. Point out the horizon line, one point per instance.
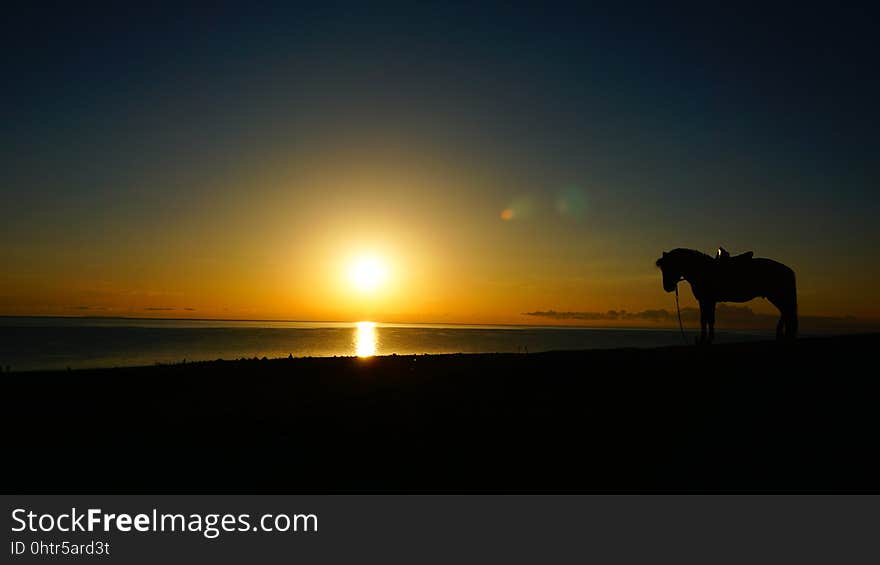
[[647, 326], [74, 317]]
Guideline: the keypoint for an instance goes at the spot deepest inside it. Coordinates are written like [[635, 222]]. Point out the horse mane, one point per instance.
[[679, 252]]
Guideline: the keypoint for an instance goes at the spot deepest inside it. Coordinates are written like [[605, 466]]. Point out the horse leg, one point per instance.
[[707, 318], [703, 322], [790, 317], [787, 326], [710, 317], [791, 323], [786, 300]]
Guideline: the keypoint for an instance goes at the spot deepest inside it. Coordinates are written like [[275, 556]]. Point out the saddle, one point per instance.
[[723, 255]]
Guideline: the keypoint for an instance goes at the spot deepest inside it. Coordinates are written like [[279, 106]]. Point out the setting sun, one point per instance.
[[367, 274]]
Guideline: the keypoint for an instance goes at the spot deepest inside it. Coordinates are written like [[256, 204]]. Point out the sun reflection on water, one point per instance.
[[365, 339]]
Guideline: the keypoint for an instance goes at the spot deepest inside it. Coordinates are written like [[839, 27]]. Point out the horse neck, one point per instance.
[[695, 268]]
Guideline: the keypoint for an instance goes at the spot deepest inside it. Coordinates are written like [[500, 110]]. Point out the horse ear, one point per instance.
[[664, 254]]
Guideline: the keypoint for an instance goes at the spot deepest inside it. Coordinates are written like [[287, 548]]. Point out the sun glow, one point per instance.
[[367, 274]]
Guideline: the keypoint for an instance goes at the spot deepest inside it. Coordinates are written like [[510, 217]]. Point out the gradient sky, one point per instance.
[[230, 161]]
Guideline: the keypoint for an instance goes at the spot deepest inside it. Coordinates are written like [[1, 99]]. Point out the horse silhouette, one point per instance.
[[732, 279]]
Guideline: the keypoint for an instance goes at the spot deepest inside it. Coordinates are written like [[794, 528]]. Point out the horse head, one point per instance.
[[672, 272]]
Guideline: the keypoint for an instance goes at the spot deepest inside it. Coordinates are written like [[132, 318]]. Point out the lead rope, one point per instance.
[[678, 309]]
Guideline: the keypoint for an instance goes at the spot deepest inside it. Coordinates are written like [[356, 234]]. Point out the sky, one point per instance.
[[235, 160]]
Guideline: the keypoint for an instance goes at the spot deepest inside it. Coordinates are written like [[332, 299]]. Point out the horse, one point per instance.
[[732, 279]]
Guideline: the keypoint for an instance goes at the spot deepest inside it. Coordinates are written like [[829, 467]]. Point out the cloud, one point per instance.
[[647, 315], [722, 312], [725, 315]]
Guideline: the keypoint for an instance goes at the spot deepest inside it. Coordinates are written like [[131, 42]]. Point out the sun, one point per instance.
[[367, 274]]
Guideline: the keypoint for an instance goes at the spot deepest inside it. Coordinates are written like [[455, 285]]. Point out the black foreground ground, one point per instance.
[[756, 416]]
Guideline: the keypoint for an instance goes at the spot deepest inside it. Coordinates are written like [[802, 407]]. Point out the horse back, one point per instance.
[[747, 279], [772, 270]]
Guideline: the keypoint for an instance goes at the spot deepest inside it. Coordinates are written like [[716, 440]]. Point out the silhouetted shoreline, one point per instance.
[[746, 416]]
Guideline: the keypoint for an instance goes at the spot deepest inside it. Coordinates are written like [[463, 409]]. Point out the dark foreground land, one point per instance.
[[778, 416]]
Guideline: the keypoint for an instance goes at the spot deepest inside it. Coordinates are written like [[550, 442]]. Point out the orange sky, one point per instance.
[[279, 245]]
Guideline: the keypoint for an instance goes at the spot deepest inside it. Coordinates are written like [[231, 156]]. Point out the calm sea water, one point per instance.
[[28, 344]]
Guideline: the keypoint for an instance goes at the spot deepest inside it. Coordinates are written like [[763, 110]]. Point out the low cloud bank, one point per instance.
[[725, 315]]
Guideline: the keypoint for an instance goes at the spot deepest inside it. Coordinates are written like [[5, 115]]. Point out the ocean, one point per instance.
[[39, 343]]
